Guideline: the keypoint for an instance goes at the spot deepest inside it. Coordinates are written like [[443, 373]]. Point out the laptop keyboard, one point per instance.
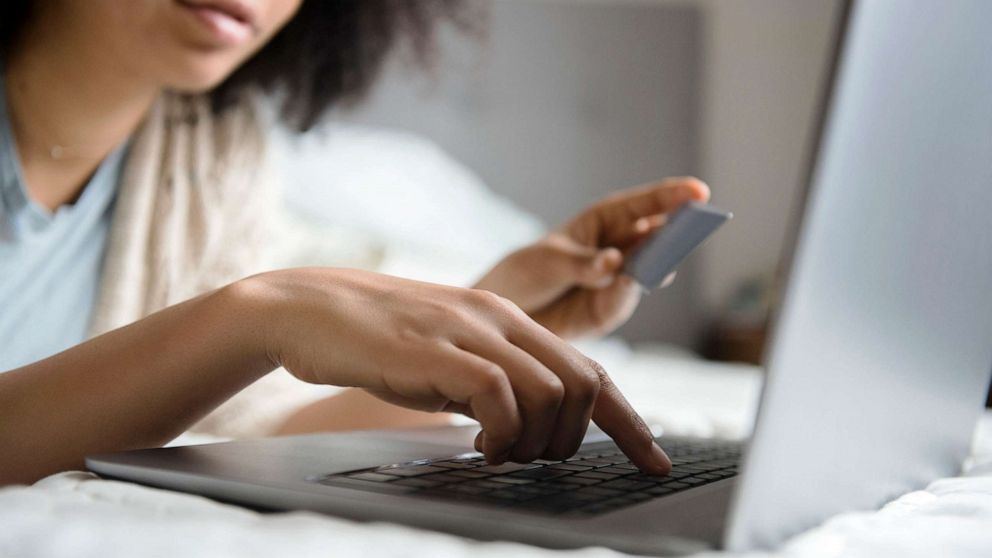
[[598, 479]]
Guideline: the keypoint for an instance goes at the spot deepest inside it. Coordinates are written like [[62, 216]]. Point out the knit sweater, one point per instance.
[[190, 212]]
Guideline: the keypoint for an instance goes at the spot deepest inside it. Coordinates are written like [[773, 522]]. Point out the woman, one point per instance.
[[132, 192]]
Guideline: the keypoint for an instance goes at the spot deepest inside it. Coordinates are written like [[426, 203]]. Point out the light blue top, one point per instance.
[[49, 262]]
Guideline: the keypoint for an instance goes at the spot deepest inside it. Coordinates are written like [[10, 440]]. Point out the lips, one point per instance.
[[226, 22]]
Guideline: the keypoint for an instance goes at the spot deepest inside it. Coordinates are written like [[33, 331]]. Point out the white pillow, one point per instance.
[[431, 216]]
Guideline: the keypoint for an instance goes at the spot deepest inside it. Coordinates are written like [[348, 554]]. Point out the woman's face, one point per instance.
[[189, 45]]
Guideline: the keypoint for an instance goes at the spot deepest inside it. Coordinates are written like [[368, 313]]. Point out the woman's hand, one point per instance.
[[437, 348], [570, 281]]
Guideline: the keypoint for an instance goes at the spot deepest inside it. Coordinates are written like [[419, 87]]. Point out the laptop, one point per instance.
[[879, 359]]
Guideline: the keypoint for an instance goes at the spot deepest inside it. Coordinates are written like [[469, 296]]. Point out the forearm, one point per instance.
[[138, 386]]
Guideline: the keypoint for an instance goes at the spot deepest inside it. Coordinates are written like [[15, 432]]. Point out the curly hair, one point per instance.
[[331, 51]]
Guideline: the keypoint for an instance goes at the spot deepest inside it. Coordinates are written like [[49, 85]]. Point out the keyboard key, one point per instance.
[[454, 465], [590, 453], [505, 468], [628, 485], [412, 471], [443, 477], [641, 477], [468, 474], [579, 480], [486, 484], [533, 489], [417, 482], [560, 485], [596, 475], [598, 479], [615, 470], [539, 474], [569, 467], [678, 475], [595, 462], [511, 480], [466, 488], [600, 492], [447, 494]]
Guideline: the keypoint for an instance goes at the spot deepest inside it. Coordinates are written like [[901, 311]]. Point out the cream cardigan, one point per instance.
[[192, 214], [190, 210]]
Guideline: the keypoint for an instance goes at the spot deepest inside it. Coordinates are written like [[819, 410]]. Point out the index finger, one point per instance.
[[622, 423], [618, 213]]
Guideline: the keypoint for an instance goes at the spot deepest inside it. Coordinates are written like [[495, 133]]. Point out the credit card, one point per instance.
[[665, 249]]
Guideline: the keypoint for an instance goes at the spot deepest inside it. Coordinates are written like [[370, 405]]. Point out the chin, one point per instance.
[[200, 76]]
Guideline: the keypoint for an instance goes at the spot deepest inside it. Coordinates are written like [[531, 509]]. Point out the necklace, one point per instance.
[[58, 152]]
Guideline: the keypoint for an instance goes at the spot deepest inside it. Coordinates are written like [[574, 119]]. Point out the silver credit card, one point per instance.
[[664, 250]]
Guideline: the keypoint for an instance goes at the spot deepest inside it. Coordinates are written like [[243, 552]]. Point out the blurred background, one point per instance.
[[554, 104]]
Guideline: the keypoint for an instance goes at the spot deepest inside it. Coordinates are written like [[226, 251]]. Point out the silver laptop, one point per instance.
[[878, 365]]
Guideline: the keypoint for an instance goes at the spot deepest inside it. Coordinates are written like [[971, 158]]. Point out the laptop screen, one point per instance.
[[880, 357]]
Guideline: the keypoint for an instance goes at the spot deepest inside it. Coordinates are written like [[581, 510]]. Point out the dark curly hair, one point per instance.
[[330, 51]]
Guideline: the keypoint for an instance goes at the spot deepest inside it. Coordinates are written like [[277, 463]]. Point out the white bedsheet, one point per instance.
[[76, 514]]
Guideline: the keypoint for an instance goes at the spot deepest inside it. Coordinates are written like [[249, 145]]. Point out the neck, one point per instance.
[[69, 109]]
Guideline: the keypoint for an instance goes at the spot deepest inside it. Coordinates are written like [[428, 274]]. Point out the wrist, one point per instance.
[[246, 311]]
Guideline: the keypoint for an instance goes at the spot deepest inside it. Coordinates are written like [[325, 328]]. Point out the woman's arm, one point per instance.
[[419, 345], [134, 387]]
